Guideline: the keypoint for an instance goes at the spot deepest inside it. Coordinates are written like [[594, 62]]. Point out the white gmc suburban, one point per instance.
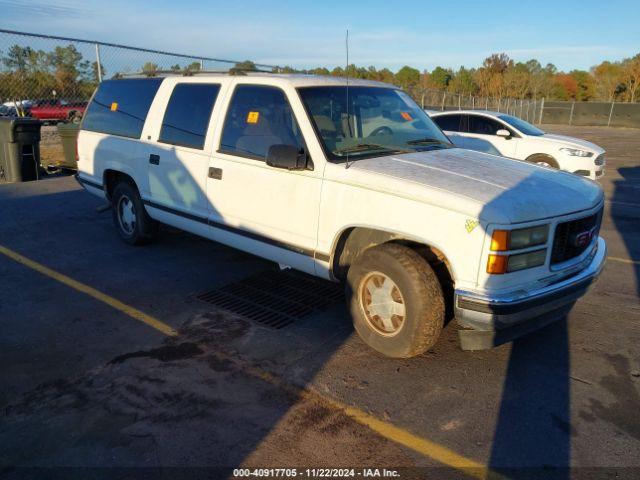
[[349, 182]]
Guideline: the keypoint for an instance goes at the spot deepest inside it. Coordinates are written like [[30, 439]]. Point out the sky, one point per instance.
[[424, 34]]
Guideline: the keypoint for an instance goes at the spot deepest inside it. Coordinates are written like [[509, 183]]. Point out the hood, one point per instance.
[[572, 142], [491, 188]]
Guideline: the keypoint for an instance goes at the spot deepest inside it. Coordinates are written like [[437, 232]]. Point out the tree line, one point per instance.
[[502, 77], [27, 73], [36, 74]]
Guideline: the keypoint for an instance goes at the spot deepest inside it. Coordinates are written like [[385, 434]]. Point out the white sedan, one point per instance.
[[509, 136]]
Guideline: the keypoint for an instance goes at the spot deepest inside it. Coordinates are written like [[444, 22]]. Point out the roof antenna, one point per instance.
[[346, 72]]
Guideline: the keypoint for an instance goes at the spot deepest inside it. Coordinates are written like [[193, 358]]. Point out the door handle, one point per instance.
[[215, 173], [154, 159]]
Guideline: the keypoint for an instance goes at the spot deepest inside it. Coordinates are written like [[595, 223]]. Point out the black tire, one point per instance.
[[538, 158], [421, 295], [142, 228]]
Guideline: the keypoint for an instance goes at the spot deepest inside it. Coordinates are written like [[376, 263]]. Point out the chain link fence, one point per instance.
[[36, 68], [438, 100], [606, 114], [52, 78]]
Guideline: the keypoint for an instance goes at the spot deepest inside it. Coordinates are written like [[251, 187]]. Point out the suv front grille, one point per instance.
[[573, 237]]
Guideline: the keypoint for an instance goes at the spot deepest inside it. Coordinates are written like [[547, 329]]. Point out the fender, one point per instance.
[[352, 239]]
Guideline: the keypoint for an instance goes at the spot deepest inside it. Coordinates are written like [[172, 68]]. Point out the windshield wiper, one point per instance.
[[426, 141], [364, 147]]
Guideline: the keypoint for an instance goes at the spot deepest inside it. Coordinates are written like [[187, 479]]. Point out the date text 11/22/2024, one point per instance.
[[316, 473]]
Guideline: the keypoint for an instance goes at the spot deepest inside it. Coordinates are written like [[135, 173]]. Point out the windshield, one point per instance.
[[381, 121], [524, 127]]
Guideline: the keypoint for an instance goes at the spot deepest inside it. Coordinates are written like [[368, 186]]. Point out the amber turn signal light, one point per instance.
[[497, 264], [500, 240]]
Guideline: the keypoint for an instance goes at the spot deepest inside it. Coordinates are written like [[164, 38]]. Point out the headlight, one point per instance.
[[503, 240], [526, 260], [574, 152], [498, 264]]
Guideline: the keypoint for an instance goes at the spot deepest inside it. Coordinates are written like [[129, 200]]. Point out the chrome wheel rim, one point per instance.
[[382, 303], [127, 215], [543, 164]]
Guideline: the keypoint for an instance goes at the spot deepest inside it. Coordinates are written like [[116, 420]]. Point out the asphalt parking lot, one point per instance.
[[109, 359]]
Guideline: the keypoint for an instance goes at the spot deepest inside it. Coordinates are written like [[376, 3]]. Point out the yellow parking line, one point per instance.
[[624, 260], [92, 292], [387, 430]]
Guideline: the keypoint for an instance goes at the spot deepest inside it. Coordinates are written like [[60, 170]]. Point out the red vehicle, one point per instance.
[[57, 110]]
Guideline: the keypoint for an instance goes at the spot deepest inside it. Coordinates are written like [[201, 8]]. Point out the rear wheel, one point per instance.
[[133, 223], [396, 301]]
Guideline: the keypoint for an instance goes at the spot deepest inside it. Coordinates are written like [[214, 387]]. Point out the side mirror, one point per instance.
[[504, 133], [287, 157]]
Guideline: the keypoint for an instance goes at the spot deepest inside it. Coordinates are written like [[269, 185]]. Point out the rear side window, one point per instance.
[[188, 113], [120, 107], [450, 123], [259, 116]]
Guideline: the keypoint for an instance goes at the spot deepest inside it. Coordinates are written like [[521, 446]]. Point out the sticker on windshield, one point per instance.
[[253, 117], [114, 106], [406, 116]]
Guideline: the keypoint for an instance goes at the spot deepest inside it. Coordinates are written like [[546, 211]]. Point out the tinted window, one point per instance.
[[258, 117], [524, 127], [483, 125], [187, 116], [120, 107], [450, 123]]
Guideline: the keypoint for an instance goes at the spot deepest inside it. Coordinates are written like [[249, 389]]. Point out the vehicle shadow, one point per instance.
[[533, 432], [164, 400], [624, 212]]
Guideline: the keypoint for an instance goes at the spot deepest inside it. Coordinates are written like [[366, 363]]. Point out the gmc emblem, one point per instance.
[[583, 239]]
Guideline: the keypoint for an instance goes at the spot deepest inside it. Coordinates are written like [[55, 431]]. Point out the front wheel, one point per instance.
[[544, 160], [133, 223], [396, 301]]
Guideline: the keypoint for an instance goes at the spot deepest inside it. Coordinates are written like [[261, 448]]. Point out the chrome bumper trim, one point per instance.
[[493, 313]]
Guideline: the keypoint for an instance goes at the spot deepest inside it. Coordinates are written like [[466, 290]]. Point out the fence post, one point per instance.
[[541, 110], [459, 102], [610, 114], [573, 105], [99, 66], [422, 100], [444, 97], [201, 64], [473, 103]]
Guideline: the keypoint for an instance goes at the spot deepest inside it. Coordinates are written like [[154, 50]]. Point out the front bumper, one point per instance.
[[491, 320]]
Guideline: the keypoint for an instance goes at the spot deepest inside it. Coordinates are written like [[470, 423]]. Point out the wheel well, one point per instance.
[[112, 177], [353, 241], [543, 157]]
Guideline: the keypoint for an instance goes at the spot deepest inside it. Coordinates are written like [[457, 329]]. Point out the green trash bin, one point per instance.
[[68, 136], [19, 149]]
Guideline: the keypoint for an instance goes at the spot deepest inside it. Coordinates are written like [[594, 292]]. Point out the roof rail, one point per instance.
[[190, 73]]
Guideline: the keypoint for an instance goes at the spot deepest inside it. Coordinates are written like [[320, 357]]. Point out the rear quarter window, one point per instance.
[[120, 107]]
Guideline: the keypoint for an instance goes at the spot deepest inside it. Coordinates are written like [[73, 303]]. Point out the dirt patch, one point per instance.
[[183, 403], [166, 353]]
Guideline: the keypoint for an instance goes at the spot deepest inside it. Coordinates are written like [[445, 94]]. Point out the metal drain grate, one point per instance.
[[275, 298]]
